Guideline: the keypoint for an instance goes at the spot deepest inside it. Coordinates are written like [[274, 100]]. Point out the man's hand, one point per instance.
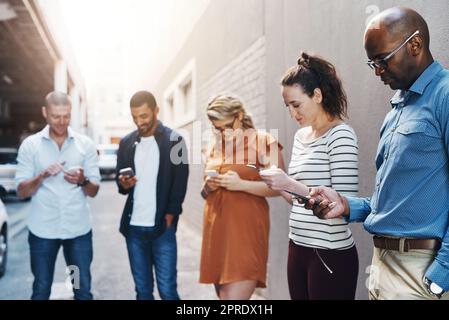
[[230, 181], [333, 204], [126, 182], [169, 219], [53, 170], [29, 187], [74, 176]]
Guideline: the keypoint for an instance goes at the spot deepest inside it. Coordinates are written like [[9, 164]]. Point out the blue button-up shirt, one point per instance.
[[59, 209], [411, 197]]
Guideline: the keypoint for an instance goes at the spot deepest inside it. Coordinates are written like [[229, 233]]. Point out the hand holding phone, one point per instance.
[[53, 170], [73, 170], [127, 173], [211, 183], [272, 171], [74, 175], [262, 170], [303, 198], [127, 178], [211, 173]]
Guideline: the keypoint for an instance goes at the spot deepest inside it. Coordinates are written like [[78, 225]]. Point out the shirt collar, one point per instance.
[[420, 84], [159, 129], [46, 132], [399, 97], [71, 133], [426, 77], [157, 132]]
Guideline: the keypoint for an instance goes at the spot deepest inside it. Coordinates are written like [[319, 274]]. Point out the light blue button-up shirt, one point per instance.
[[59, 209], [411, 197]]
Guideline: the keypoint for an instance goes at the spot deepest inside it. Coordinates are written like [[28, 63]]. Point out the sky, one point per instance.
[[140, 37], [117, 47]]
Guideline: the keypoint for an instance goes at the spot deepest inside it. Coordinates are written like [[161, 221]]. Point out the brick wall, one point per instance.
[[244, 77]]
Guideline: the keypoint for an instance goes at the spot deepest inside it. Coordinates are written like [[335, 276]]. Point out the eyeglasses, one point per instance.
[[383, 63], [226, 126]]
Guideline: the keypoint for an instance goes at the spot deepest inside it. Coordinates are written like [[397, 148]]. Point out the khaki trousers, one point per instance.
[[396, 275]]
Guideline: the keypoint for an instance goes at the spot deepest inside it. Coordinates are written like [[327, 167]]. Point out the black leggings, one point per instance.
[[309, 277]]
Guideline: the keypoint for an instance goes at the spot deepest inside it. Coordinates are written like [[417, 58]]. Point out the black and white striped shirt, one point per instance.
[[330, 160]]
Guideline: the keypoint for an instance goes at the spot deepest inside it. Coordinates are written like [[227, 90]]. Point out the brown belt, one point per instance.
[[407, 244]]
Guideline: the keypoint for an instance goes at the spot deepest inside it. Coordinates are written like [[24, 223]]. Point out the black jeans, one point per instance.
[[317, 274]]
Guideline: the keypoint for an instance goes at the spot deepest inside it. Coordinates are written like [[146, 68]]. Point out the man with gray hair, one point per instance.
[[58, 168]]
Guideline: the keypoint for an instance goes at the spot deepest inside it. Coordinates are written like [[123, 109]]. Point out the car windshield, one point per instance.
[[108, 151], [8, 157]]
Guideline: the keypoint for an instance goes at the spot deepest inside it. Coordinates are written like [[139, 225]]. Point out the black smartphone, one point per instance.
[[298, 196], [127, 172]]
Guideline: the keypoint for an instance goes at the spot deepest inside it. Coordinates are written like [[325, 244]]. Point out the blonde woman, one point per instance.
[[236, 219]]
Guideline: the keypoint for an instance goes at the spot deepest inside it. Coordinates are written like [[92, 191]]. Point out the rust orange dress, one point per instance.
[[236, 224]]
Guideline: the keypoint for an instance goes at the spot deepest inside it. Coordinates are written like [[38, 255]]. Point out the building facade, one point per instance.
[[33, 62], [244, 47]]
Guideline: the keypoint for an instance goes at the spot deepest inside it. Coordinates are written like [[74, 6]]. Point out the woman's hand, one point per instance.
[[276, 179], [212, 184], [230, 181]]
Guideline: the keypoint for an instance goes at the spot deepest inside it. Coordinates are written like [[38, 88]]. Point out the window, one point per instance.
[[169, 109], [179, 107], [189, 106]]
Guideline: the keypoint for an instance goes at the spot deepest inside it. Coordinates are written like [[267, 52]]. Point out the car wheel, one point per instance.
[[3, 251]]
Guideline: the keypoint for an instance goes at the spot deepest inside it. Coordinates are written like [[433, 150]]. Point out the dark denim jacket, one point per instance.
[[171, 180]]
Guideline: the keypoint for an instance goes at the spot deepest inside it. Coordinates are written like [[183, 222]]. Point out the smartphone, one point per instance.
[[73, 170], [211, 173], [305, 199], [127, 172], [298, 196], [252, 166], [261, 170]]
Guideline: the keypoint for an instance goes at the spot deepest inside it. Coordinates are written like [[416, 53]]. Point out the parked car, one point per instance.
[[3, 238], [107, 158], [8, 167]]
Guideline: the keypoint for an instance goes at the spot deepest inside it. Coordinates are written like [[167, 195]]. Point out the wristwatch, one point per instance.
[[84, 183], [434, 289]]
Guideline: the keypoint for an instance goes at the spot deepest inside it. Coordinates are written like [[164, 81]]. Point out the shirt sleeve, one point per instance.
[[359, 209], [25, 162], [90, 166], [438, 271]]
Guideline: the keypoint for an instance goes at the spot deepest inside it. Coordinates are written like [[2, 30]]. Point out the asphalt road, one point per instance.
[[111, 275]]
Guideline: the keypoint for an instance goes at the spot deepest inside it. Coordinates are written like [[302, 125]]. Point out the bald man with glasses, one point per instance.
[[408, 214]]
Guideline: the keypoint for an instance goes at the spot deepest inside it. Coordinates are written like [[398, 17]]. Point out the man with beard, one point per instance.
[[408, 212], [158, 156]]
